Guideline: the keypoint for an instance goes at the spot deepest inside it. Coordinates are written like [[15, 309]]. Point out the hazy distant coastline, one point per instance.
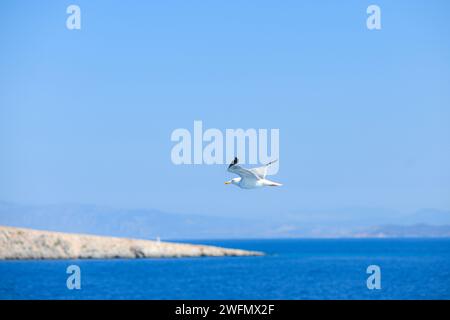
[[20, 243], [150, 223]]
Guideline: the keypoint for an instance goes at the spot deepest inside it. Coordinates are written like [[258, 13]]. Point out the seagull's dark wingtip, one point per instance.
[[235, 161]]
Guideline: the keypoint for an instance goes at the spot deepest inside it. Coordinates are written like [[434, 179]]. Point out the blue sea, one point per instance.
[[292, 269]]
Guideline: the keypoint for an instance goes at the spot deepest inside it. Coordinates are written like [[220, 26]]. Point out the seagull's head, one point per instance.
[[233, 181]]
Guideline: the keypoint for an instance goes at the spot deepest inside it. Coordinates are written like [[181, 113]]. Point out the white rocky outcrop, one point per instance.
[[20, 243]]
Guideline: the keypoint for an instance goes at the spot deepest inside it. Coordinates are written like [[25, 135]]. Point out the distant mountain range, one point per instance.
[[414, 231], [150, 224]]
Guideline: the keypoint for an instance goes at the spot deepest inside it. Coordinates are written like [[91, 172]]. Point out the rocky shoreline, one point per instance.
[[21, 243]]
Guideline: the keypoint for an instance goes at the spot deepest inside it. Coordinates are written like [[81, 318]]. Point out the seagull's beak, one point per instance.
[[228, 182]]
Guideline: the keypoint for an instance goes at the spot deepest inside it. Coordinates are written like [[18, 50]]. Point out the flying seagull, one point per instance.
[[250, 178]]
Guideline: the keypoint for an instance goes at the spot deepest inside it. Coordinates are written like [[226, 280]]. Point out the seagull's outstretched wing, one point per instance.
[[261, 172], [243, 173]]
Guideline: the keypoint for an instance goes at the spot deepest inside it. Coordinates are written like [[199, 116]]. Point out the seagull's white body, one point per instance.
[[251, 178]]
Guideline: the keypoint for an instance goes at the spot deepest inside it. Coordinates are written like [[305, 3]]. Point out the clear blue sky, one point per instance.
[[364, 116]]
